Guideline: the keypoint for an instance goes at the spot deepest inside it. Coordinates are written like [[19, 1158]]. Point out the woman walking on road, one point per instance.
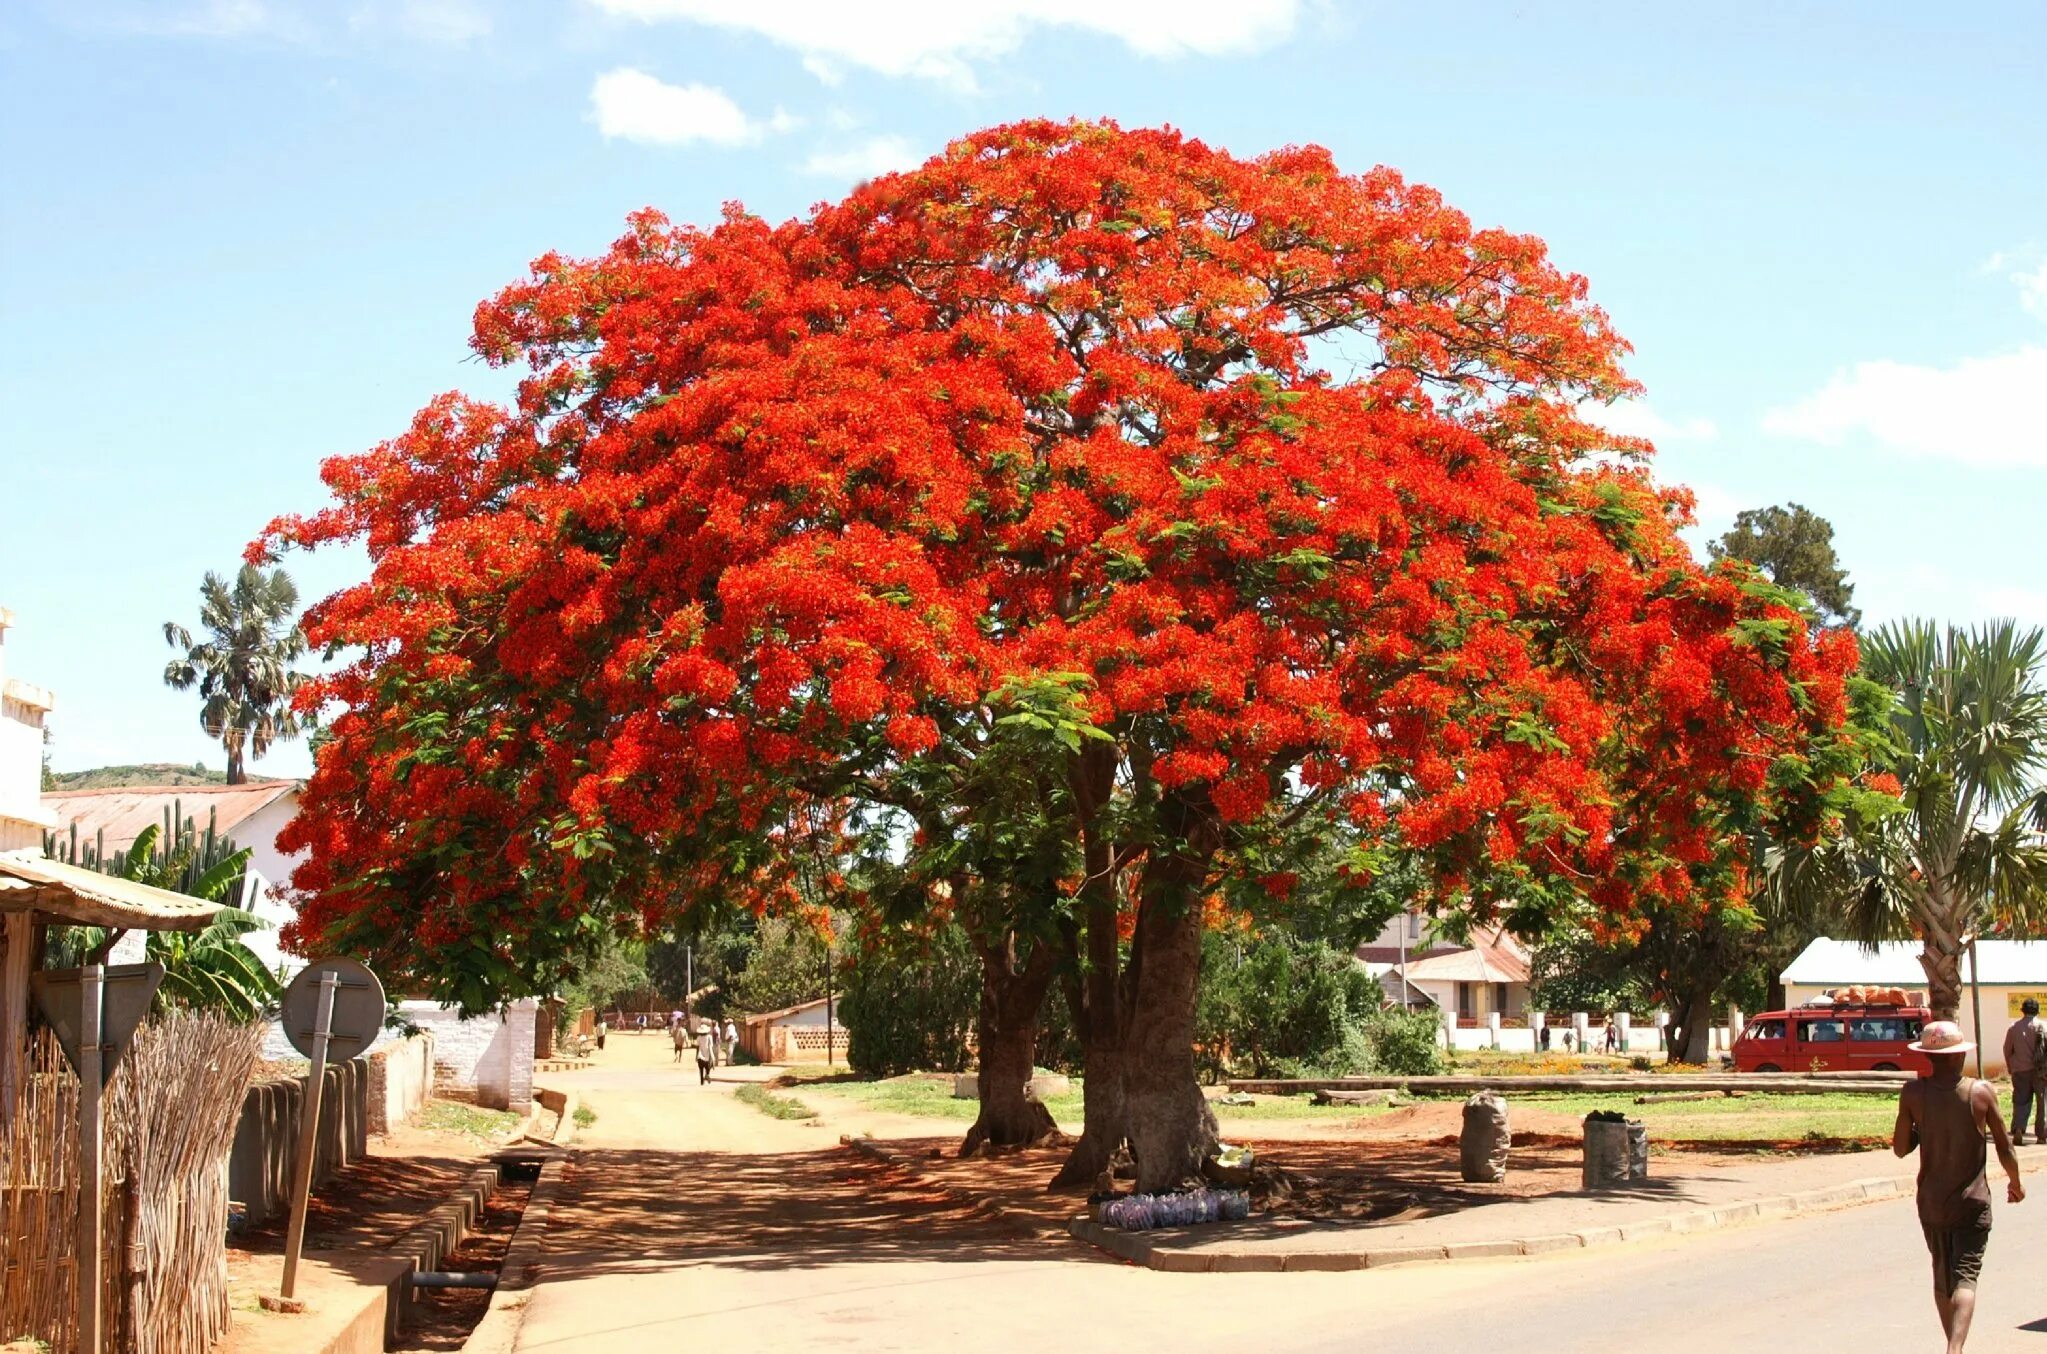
[[707, 1053]]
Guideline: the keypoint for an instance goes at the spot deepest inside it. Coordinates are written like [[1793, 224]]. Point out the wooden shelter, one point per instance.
[[37, 892]]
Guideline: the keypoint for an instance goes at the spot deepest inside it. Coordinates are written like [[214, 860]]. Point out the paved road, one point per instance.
[[741, 1240]]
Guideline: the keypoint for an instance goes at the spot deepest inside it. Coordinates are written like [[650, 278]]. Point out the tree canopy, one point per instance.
[[1795, 547], [787, 521]]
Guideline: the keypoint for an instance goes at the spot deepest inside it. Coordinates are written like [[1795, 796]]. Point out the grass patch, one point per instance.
[[584, 1116], [772, 1105], [927, 1097], [471, 1121], [1781, 1118]]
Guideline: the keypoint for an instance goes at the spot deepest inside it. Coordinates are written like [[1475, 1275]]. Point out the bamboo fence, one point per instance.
[[168, 1123]]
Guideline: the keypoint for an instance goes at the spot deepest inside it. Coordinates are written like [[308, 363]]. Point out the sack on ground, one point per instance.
[[1616, 1152], [1482, 1150]]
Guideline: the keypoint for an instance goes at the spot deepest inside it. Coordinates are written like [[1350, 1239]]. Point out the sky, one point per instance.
[[240, 236]]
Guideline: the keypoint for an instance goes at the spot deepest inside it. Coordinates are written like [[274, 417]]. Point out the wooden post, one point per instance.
[[1976, 1002], [91, 1209], [309, 1136], [17, 957]]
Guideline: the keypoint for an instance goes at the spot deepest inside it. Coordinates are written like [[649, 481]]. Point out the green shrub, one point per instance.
[[1283, 1006], [1403, 1043], [911, 1003]]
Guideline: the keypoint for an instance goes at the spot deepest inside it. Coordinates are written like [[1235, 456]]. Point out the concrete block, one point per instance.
[[1481, 1250], [1245, 1262], [1600, 1236], [1733, 1213], [1635, 1231], [1180, 1262], [1322, 1262], [1401, 1255], [1544, 1245]]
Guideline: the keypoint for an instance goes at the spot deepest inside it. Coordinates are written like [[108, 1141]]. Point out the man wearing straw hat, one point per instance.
[[1946, 1116]]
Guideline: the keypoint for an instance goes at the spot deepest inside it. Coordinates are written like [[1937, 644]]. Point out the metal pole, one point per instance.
[[1976, 1003], [689, 979], [91, 1211], [309, 1134]]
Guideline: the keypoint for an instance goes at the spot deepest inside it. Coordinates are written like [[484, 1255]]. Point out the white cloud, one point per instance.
[[448, 22], [2028, 605], [1981, 411], [876, 155], [1635, 418], [941, 39], [631, 105], [2033, 289]]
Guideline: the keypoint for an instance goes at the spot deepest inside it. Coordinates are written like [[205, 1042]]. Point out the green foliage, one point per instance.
[[1404, 1043], [911, 1002], [242, 668], [208, 970], [785, 965], [774, 1106], [1960, 848], [1284, 1007], [615, 970], [1570, 971], [1795, 547], [132, 773]]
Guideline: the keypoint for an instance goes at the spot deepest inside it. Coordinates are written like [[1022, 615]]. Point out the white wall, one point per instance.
[[267, 893], [22, 816]]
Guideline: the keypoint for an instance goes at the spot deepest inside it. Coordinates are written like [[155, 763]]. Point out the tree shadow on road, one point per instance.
[[622, 1209]]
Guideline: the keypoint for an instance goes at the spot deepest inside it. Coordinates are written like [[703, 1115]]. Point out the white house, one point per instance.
[[2012, 970], [1470, 981], [795, 1033]]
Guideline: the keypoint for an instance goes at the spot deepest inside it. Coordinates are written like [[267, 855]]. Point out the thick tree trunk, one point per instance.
[[1106, 1126], [1943, 980], [1172, 1129], [1010, 1001], [1691, 1028]]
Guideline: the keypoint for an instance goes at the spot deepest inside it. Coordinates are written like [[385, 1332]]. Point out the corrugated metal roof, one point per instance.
[[1826, 963], [31, 881], [122, 812], [1495, 958]]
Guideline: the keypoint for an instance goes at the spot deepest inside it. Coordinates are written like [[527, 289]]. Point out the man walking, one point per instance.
[[707, 1053], [2023, 1046], [1946, 1116], [731, 1040]]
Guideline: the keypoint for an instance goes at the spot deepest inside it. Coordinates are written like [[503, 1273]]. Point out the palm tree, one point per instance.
[[243, 669], [1962, 850]]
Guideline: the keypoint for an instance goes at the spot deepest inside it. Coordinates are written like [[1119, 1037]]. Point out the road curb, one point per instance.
[[1142, 1249], [887, 1156], [521, 1269]]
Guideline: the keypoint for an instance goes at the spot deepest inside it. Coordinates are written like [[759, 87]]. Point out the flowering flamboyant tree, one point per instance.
[[1268, 481]]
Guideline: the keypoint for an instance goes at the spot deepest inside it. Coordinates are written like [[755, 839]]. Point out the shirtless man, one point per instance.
[[1946, 1116]]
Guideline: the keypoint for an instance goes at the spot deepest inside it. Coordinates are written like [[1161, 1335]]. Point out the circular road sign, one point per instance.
[[358, 1008]]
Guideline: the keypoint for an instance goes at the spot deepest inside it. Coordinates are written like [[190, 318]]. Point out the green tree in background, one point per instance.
[[242, 667], [1795, 547], [785, 966], [1960, 848], [911, 1002]]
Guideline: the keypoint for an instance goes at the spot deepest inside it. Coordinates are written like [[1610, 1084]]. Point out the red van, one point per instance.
[[1848, 1037]]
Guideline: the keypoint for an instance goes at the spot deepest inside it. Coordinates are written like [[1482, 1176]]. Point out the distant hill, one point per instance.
[[146, 773]]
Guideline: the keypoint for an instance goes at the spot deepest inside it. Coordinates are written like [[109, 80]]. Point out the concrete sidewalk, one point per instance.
[[1680, 1200]]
